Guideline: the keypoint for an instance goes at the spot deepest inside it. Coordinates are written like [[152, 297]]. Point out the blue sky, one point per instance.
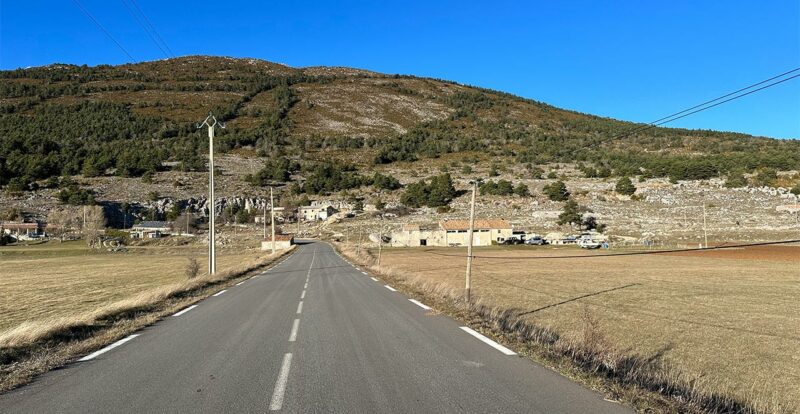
[[632, 60]]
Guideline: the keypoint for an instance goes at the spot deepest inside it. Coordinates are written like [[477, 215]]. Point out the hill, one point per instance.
[[129, 119]]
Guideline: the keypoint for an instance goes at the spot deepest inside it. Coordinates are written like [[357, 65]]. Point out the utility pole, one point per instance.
[[468, 281], [272, 217], [264, 222], [705, 231], [187, 219], [211, 122], [360, 235]]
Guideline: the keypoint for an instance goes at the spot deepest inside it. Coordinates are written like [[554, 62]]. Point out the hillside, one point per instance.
[[326, 130]]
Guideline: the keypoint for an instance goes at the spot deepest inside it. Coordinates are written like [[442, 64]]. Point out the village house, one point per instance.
[[282, 241], [280, 216], [453, 233], [315, 213], [150, 229], [20, 230]]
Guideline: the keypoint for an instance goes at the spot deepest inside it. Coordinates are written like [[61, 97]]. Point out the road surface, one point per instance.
[[311, 335]]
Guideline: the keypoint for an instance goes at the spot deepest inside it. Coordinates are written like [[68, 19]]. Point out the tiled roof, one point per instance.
[[479, 224]]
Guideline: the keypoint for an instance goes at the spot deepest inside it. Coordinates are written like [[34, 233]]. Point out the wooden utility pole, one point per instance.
[[264, 221], [272, 217], [468, 281]]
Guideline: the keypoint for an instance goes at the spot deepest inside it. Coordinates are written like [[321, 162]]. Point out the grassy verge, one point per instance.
[[644, 382], [33, 348]]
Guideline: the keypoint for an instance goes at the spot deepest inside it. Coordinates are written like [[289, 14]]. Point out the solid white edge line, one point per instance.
[[420, 304], [373, 278], [300, 307], [293, 335], [303, 295], [241, 282], [95, 354], [280, 386], [488, 341], [390, 288], [220, 292], [185, 310]]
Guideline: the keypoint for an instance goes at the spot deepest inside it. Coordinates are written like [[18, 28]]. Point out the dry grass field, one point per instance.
[[52, 280], [730, 319]]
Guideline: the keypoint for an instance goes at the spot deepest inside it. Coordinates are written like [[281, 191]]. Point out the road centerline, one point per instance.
[[295, 326], [280, 385], [300, 307]]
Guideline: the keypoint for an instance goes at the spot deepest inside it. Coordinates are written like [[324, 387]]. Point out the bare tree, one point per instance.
[[64, 221], [95, 224], [185, 222]]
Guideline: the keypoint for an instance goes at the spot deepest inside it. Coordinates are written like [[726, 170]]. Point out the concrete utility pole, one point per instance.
[[468, 281], [264, 222], [272, 217], [211, 122]]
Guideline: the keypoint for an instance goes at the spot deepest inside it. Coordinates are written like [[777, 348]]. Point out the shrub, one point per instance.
[[571, 214], [192, 268], [736, 181], [625, 186]]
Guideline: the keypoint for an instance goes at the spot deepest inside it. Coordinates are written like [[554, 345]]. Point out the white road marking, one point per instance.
[[220, 292], [300, 307], [293, 335], [95, 354], [488, 341], [373, 278], [420, 304], [305, 286], [365, 273], [185, 310], [390, 288], [241, 282], [280, 385], [303, 295]]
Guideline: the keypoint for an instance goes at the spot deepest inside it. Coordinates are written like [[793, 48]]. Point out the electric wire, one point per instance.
[[89, 15], [711, 103], [152, 28], [144, 27]]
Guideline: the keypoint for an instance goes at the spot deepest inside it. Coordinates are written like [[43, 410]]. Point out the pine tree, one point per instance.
[[625, 186]]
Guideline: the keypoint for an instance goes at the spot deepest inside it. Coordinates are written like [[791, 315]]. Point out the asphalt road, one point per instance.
[[311, 335]]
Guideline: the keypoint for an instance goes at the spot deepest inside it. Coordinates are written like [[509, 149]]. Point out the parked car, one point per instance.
[[512, 241], [536, 241], [589, 244]]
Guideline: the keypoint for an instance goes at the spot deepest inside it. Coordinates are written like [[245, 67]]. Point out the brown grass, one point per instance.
[[668, 333], [36, 346]]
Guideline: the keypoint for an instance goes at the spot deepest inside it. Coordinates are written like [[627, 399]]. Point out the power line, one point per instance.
[[722, 247], [89, 15], [144, 27], [706, 105], [150, 24]]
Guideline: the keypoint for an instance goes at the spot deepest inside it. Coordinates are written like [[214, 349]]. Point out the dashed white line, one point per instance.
[[365, 273], [305, 286], [303, 295], [300, 307], [390, 288], [280, 386], [220, 292], [241, 282], [374, 278], [293, 335], [95, 354], [420, 304], [185, 310], [488, 341]]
